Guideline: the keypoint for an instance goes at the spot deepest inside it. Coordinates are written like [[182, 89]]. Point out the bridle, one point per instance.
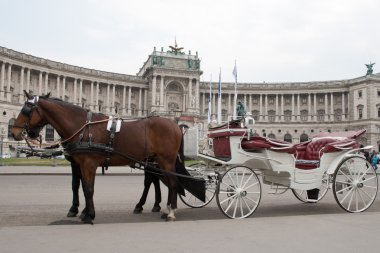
[[27, 110]]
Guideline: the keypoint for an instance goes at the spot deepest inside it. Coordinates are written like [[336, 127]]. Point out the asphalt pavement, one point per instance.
[[34, 202]]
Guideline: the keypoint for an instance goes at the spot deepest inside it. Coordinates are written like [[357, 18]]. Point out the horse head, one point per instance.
[[29, 121]]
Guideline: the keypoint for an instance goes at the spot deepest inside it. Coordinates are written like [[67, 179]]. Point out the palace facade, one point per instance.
[[168, 84]]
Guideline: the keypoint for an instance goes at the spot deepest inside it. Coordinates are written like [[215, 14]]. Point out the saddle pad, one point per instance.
[[118, 124]]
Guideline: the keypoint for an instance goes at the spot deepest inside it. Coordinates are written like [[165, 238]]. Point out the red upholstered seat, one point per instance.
[[256, 143]]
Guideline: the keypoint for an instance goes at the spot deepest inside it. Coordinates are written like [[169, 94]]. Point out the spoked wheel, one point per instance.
[[239, 192], [302, 195], [198, 170], [355, 184]]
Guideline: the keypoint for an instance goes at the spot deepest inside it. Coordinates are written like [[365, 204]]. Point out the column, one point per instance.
[[75, 91], [21, 94], [277, 115], [40, 83], [309, 107], [298, 106], [2, 80], [28, 80], [332, 106], [108, 98], [326, 104], [161, 92], [9, 83], [129, 100], [282, 108], [266, 106], [58, 77], [80, 92], [197, 93], [153, 92], [97, 97], [140, 104], [293, 108], [145, 102], [46, 88], [261, 107], [64, 88], [113, 98], [250, 103], [343, 107], [92, 95], [315, 107], [229, 104], [190, 96], [124, 96]]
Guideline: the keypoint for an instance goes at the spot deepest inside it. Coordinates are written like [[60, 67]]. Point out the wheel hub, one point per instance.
[[241, 192]]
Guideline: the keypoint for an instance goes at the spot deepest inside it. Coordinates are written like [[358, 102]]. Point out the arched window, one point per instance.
[[304, 114], [255, 114], [288, 138], [288, 115], [321, 115], [304, 137], [49, 133], [10, 125], [271, 115], [271, 136]]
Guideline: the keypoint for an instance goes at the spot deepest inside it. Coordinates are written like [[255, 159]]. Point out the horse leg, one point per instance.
[[173, 203], [75, 183], [147, 182], [88, 182], [157, 190], [167, 211]]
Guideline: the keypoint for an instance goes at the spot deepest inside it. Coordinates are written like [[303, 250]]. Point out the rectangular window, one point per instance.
[[360, 94]]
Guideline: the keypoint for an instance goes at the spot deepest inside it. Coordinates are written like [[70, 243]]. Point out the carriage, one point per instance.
[[231, 172], [239, 159]]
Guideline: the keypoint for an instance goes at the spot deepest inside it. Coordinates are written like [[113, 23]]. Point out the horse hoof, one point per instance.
[[72, 214], [82, 215], [164, 216], [169, 218], [87, 220], [138, 210], [156, 209]]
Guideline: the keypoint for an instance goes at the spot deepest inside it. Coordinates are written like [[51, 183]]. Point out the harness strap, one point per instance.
[[110, 143]]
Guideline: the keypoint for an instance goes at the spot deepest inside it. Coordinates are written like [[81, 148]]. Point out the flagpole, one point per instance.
[[235, 97], [220, 98], [209, 104]]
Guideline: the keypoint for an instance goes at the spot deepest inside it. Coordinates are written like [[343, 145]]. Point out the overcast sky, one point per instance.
[[271, 40]]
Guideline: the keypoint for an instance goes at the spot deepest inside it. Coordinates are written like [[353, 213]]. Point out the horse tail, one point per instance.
[[197, 187]]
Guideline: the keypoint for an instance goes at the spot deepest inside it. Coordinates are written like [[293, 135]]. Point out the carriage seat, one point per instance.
[[308, 154], [257, 143]]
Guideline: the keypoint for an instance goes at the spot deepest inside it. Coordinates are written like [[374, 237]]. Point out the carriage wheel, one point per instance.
[[211, 183], [239, 192], [355, 184], [302, 194]]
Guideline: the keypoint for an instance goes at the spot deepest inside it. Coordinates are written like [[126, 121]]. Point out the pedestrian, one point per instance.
[[375, 160]]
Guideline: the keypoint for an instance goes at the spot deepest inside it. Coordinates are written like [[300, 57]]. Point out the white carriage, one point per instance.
[[309, 169]]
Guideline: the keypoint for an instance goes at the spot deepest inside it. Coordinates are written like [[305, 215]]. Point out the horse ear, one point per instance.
[[28, 95], [48, 95]]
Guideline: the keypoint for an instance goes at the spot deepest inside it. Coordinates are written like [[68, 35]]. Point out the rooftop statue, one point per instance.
[[369, 68], [175, 49]]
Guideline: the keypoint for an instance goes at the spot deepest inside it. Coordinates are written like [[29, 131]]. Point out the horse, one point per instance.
[[139, 144], [149, 178]]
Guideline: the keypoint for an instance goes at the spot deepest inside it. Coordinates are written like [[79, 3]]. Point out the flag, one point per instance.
[[220, 99], [209, 105], [234, 73]]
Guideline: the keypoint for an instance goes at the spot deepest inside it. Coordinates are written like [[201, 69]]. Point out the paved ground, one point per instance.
[[33, 207]]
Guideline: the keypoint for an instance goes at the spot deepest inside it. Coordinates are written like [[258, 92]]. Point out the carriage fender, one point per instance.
[[336, 162]]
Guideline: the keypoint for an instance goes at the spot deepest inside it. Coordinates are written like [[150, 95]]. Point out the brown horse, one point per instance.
[[140, 143]]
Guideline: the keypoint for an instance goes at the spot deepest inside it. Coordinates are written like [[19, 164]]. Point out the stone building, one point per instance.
[[168, 84]]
